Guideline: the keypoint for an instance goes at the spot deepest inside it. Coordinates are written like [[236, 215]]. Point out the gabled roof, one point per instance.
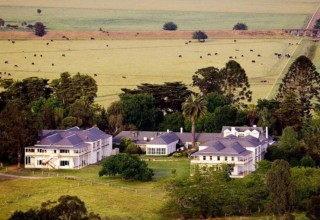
[[243, 129], [70, 137], [164, 139]]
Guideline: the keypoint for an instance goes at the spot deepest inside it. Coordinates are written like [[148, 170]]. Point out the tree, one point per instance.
[[303, 79], [201, 36], [18, 128], [68, 207], [280, 187], [235, 83], [81, 109], [69, 122], [290, 110], [168, 97], [68, 89], [208, 80], [252, 114], [39, 11], [313, 211], [27, 91], [115, 116], [128, 166], [39, 29], [231, 81], [140, 111], [173, 122], [2, 22], [193, 108], [170, 26], [215, 100], [240, 26]]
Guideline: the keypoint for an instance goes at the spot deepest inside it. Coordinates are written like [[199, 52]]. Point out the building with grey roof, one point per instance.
[[68, 149], [242, 147]]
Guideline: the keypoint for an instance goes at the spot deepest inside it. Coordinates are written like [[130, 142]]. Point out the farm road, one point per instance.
[[10, 176]]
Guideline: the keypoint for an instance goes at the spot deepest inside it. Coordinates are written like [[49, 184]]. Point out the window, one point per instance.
[[76, 151], [64, 151], [29, 150], [232, 158], [204, 158], [156, 151], [210, 157], [55, 151], [225, 158], [64, 163], [218, 157], [39, 162], [41, 151], [28, 160]]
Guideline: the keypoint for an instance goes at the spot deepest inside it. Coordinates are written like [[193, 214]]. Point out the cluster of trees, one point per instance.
[[128, 166], [39, 28], [67, 207], [33, 104], [274, 189]]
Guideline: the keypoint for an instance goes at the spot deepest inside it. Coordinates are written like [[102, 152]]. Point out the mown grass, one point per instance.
[[127, 63], [105, 195]]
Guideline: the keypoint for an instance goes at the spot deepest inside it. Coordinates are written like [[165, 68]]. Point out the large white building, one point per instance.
[[242, 147], [68, 149]]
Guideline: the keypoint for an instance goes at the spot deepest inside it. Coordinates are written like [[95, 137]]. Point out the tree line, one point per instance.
[[274, 189]]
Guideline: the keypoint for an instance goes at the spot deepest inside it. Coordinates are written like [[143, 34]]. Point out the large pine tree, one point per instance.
[[302, 78]]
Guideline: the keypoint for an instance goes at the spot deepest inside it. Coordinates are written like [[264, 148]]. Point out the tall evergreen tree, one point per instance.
[[290, 110], [281, 189], [303, 78]]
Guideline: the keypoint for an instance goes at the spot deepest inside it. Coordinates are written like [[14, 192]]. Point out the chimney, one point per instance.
[[267, 135], [168, 130], [181, 130]]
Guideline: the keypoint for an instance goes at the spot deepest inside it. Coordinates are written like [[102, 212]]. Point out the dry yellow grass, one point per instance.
[[127, 63]]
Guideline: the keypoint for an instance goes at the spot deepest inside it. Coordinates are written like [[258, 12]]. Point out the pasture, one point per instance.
[[106, 196], [152, 14], [127, 63]]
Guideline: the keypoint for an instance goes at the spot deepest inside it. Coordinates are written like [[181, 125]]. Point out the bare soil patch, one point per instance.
[[129, 35]]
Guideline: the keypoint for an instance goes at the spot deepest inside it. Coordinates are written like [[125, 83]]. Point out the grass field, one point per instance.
[[93, 19], [107, 195], [127, 63], [152, 14]]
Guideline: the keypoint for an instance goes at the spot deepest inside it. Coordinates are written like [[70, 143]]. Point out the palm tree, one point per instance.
[[193, 108]]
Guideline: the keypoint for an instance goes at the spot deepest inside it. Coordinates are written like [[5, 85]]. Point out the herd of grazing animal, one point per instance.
[[279, 55]]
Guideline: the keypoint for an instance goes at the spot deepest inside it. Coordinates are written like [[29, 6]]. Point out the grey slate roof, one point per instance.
[[164, 139], [138, 136], [73, 137]]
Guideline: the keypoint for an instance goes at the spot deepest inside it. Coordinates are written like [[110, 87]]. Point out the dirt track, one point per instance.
[[136, 35]]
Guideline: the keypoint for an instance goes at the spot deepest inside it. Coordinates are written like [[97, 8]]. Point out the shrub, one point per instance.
[[128, 166], [240, 26], [176, 154], [170, 26]]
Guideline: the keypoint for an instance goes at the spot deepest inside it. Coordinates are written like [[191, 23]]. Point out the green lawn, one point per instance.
[[107, 195], [127, 63]]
